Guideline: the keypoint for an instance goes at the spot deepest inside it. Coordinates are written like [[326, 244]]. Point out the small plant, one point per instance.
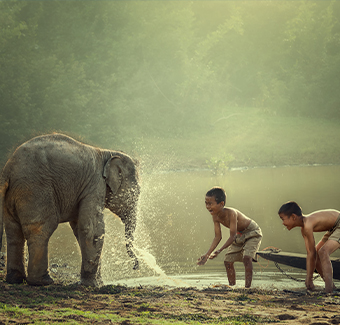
[[244, 297], [111, 289], [220, 165]]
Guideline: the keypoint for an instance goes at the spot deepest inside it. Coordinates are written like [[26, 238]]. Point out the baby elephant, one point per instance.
[[52, 179]]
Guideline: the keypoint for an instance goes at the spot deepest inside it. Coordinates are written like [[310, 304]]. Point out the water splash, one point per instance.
[[116, 265], [162, 278], [150, 229], [149, 260]]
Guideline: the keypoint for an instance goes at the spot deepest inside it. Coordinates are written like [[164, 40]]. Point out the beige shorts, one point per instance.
[[246, 243], [334, 233]]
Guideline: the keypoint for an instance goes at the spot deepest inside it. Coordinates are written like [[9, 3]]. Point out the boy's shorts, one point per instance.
[[334, 233], [246, 243]]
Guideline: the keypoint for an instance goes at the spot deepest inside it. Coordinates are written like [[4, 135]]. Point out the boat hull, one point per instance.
[[297, 260]]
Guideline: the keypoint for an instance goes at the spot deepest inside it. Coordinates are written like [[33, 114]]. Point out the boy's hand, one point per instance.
[[202, 260], [214, 254]]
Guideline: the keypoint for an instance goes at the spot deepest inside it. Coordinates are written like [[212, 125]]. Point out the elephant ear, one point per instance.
[[113, 173]]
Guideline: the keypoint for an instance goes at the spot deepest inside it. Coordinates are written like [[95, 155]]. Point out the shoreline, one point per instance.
[[68, 302], [116, 304], [232, 169]]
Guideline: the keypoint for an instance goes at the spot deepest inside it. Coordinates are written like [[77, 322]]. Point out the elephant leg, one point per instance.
[[74, 226], [37, 242], [97, 281], [90, 232], [15, 251]]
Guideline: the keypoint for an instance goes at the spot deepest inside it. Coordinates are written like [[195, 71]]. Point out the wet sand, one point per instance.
[[68, 302], [165, 305]]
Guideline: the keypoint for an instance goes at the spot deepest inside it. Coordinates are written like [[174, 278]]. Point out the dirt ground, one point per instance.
[[72, 303]]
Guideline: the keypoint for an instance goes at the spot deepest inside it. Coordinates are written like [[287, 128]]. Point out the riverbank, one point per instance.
[[74, 304], [230, 138], [246, 137]]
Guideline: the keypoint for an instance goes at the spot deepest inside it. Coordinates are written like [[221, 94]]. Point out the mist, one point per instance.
[[200, 92], [176, 84]]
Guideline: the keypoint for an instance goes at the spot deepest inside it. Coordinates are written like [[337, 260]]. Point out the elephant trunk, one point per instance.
[[122, 194], [124, 205], [130, 226], [130, 220]]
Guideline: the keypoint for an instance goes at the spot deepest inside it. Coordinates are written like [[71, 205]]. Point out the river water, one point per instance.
[[174, 228]]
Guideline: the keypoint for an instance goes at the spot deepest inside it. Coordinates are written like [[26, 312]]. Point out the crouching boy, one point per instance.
[[318, 256], [243, 242]]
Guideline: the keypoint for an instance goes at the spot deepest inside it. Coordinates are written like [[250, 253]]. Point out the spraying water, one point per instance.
[[117, 267], [149, 260], [162, 278]]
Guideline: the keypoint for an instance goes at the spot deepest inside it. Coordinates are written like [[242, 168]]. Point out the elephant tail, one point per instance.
[[3, 190]]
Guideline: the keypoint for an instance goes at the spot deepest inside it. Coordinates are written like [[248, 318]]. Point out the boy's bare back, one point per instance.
[[322, 220], [228, 213]]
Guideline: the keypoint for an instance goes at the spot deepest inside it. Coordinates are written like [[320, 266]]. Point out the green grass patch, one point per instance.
[[246, 319], [200, 318]]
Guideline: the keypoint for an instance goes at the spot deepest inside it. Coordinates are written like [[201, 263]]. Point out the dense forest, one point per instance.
[[113, 72]]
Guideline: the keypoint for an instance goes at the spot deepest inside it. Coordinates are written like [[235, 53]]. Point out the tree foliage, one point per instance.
[[115, 70]]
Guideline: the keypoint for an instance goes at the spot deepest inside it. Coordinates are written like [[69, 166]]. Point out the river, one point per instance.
[[174, 228]]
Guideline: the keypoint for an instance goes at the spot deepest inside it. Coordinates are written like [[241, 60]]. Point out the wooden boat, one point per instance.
[[296, 260]]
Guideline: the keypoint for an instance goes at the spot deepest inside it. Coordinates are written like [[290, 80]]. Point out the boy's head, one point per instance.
[[218, 193], [290, 213], [290, 208]]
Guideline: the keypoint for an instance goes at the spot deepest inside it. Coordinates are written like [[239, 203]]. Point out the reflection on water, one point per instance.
[[174, 228]]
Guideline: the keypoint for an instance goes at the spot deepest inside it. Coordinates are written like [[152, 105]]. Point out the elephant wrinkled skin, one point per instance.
[[52, 179]]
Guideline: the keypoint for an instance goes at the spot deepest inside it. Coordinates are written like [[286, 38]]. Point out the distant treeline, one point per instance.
[[128, 69]]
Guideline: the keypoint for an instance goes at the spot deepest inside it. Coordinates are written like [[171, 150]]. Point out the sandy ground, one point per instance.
[[71, 303]]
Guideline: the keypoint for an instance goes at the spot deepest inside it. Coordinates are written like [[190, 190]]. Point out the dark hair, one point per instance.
[[289, 208], [218, 193]]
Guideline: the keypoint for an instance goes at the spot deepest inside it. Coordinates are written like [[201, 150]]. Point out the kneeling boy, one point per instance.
[[317, 256], [243, 242]]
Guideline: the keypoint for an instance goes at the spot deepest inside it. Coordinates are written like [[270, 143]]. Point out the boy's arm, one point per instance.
[[233, 232], [307, 233], [218, 236]]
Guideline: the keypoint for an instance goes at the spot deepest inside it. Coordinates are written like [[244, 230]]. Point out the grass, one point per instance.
[[74, 304], [74, 316], [68, 305]]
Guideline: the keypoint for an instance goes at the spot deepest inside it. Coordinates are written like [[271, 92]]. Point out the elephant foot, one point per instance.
[[43, 281], [91, 281], [15, 277]]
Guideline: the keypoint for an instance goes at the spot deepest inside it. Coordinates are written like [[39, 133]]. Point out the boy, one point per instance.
[[243, 242], [317, 256]]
